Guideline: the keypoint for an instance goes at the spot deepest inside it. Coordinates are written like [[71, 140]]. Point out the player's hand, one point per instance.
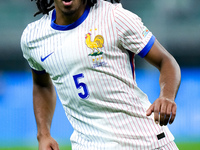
[[47, 143], [164, 111]]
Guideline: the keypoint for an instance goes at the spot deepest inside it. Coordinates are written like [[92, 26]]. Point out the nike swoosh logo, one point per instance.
[[43, 59]]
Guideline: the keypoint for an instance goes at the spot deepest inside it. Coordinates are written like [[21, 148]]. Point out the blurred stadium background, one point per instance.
[[175, 23]]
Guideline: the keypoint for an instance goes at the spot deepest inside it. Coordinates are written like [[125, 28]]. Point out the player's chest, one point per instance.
[[78, 49]]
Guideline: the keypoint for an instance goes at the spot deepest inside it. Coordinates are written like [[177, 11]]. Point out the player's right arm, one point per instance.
[[44, 102]]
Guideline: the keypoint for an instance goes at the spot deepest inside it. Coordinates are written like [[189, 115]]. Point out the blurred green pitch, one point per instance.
[[181, 146]]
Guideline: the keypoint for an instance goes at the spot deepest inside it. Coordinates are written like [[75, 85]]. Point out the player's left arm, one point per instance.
[[169, 81]]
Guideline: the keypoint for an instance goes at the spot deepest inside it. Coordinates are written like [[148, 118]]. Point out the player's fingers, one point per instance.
[[150, 110], [157, 113], [168, 114], [163, 111], [173, 115], [55, 146], [165, 122]]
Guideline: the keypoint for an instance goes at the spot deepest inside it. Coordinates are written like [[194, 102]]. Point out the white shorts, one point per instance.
[[169, 146]]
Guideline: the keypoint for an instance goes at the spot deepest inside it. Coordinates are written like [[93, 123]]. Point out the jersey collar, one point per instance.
[[70, 26]]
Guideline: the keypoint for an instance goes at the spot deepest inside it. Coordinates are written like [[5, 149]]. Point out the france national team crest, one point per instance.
[[96, 45]]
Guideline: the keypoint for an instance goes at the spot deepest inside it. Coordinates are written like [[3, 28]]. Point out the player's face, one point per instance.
[[69, 9]]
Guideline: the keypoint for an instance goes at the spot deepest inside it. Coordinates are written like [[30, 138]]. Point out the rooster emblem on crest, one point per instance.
[[94, 45]]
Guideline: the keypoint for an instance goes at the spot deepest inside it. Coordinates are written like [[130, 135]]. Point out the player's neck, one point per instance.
[[68, 18]]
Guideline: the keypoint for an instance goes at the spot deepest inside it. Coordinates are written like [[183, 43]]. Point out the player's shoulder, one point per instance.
[[37, 26], [107, 4], [117, 9], [105, 9]]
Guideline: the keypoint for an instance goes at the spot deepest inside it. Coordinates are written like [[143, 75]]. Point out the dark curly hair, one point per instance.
[[44, 6]]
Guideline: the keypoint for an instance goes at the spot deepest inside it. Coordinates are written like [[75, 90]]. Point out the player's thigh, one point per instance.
[[169, 146]]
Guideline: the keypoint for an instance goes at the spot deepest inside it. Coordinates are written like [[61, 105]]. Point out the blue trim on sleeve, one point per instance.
[[70, 26], [39, 72], [147, 48]]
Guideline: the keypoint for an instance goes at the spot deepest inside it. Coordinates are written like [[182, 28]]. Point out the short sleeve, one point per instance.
[[27, 51], [132, 33]]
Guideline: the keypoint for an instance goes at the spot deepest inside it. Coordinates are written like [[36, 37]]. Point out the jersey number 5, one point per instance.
[[80, 85]]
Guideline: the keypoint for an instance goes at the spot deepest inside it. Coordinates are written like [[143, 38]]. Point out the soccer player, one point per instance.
[[85, 49]]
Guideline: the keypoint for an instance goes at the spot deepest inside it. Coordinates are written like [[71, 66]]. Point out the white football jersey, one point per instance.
[[91, 64]]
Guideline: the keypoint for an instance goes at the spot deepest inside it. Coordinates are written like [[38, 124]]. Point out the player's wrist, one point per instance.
[[42, 135], [167, 97]]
